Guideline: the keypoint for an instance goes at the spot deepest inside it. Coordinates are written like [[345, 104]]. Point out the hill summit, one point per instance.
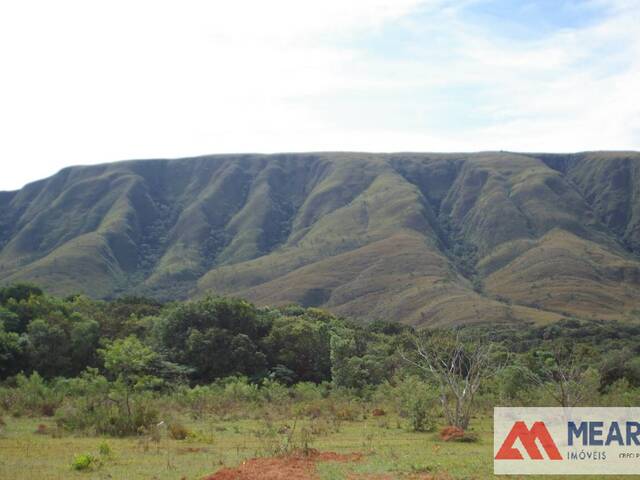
[[425, 239]]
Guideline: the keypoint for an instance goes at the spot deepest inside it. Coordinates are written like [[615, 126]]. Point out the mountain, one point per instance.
[[425, 239]]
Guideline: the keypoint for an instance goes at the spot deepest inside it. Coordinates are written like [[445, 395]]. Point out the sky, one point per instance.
[[84, 82]]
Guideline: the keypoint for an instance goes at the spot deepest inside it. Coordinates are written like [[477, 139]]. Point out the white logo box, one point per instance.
[[578, 459]]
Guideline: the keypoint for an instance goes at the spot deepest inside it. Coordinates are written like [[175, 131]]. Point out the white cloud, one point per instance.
[[86, 82]]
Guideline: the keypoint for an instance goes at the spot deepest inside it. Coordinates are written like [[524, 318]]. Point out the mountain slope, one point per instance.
[[418, 238]]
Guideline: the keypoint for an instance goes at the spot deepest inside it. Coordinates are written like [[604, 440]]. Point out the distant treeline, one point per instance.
[[201, 341]]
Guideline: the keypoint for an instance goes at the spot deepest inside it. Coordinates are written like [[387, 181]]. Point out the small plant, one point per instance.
[[84, 462], [104, 449], [417, 402], [419, 413], [178, 431]]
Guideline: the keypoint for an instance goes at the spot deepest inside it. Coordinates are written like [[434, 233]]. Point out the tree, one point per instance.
[[210, 335], [563, 374], [11, 349], [302, 345], [458, 368], [84, 335], [245, 357], [48, 348], [208, 352], [19, 292], [10, 320], [360, 358], [130, 362]]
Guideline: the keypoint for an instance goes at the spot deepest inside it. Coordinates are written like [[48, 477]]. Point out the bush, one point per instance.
[[239, 389], [104, 449], [308, 391], [417, 402], [85, 461], [31, 395], [274, 392], [348, 411], [109, 417], [419, 414], [178, 431], [200, 399]]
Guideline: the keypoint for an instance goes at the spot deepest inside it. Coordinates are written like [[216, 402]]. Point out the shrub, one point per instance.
[[417, 402], [31, 395], [200, 399], [239, 389], [419, 414], [104, 449], [85, 461], [109, 417], [274, 392], [178, 431], [347, 411], [308, 391]]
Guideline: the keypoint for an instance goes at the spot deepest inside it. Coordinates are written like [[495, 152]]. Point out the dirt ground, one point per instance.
[[297, 466]]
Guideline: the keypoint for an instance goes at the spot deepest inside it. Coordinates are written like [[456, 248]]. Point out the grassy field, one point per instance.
[[390, 451]]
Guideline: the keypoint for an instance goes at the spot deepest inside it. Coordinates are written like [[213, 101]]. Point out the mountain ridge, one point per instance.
[[422, 238]]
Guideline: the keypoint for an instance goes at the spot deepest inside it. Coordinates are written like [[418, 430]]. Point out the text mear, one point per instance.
[[599, 434]]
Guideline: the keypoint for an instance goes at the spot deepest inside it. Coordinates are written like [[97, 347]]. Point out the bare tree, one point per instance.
[[563, 375], [458, 367]]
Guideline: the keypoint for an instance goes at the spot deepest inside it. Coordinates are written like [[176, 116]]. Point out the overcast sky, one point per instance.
[[86, 82]]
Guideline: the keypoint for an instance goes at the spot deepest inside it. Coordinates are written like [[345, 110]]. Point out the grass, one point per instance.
[[388, 448]]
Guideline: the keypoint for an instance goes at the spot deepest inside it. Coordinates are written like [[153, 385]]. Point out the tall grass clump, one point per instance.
[[30, 395]]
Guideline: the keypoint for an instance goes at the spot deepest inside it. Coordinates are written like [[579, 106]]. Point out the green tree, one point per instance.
[[360, 357], [10, 320], [302, 345], [128, 360], [48, 347], [215, 336], [84, 335], [130, 363], [11, 350], [19, 292]]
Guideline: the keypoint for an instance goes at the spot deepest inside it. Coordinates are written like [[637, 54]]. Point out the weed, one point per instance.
[[104, 450], [178, 431], [84, 461]]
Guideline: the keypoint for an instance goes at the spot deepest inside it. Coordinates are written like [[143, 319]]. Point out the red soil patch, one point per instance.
[[370, 476], [410, 476], [185, 450], [297, 466], [42, 429], [451, 433]]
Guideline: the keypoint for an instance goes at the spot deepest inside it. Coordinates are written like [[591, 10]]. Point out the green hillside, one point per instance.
[[419, 238]]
